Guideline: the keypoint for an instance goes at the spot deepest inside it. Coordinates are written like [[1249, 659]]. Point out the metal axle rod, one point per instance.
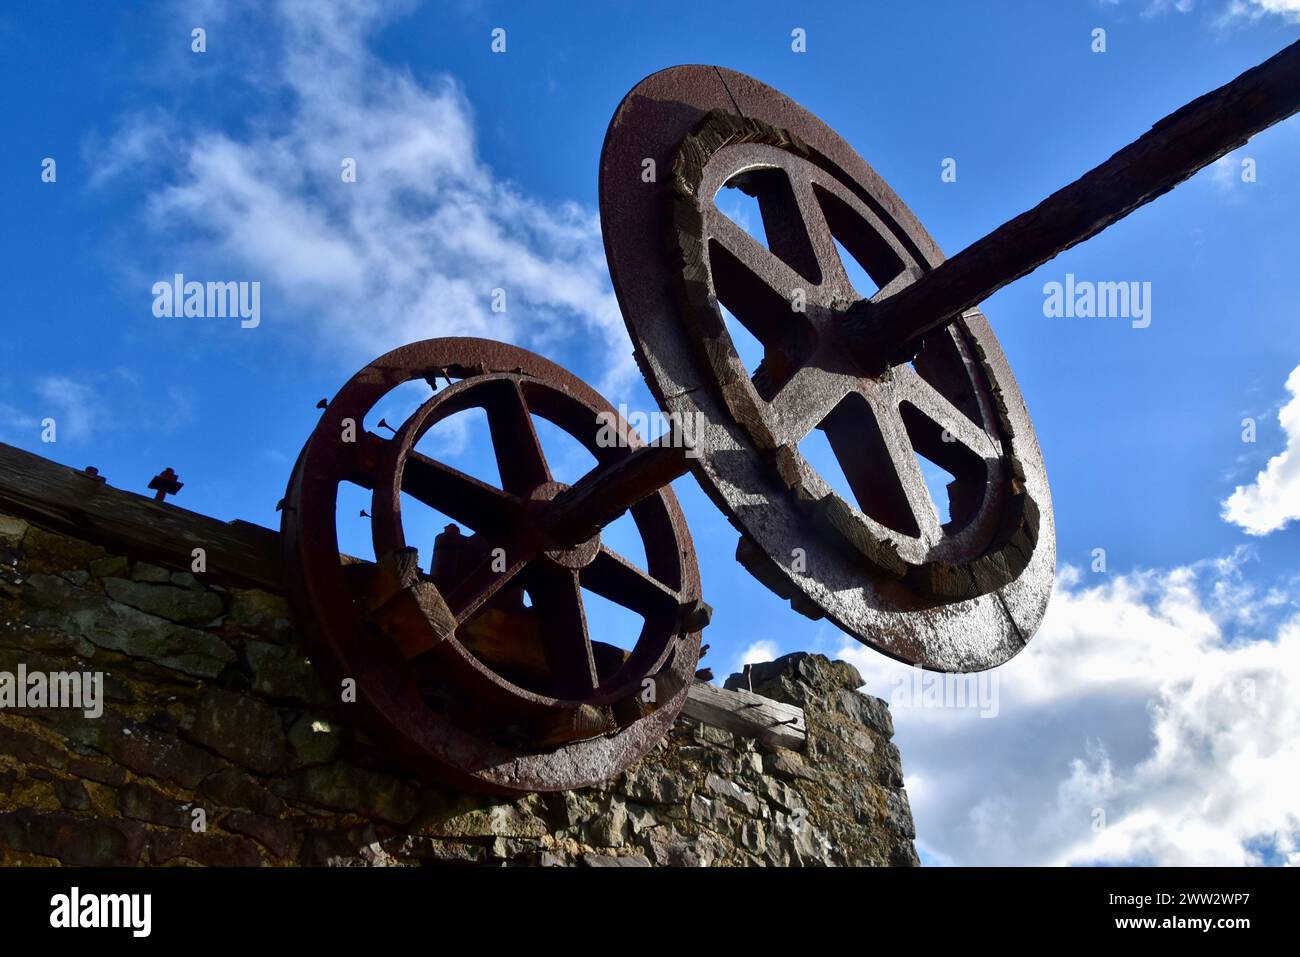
[[889, 331], [605, 493]]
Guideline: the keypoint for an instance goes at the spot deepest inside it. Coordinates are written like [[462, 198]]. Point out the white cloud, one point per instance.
[[1254, 9], [73, 405], [413, 248], [1154, 719], [1222, 172], [141, 139], [758, 651], [17, 425], [1272, 500], [1228, 11], [1160, 6]]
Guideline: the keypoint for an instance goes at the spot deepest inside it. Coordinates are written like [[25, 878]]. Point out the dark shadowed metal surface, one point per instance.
[[449, 664], [961, 595]]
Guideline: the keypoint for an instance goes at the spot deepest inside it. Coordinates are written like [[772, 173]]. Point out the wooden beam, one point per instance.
[[67, 500], [748, 715]]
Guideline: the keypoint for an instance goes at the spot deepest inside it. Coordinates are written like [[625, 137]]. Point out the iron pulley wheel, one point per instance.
[[478, 685], [961, 593]]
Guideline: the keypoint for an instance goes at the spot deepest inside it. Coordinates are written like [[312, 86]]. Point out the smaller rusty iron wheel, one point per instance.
[[450, 663]]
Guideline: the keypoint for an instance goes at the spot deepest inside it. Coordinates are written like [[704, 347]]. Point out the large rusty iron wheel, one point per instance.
[[450, 663], [957, 595]]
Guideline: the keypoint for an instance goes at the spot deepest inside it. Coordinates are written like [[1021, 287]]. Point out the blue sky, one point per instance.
[[478, 170]]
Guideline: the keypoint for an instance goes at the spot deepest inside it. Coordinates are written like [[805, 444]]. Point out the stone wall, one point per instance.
[[211, 705]]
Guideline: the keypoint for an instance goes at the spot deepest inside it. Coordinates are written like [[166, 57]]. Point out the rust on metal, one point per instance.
[[718, 264], [472, 682], [958, 592], [579, 512], [165, 483], [482, 668]]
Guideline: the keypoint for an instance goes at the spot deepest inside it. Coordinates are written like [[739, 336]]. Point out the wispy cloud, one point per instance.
[[1224, 172], [72, 404], [1223, 12], [1289, 10], [88, 407], [17, 425], [1272, 500], [1155, 7], [1229, 177], [141, 140], [415, 246]]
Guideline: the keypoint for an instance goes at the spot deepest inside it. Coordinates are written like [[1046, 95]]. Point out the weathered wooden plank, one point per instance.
[[68, 500], [748, 715]]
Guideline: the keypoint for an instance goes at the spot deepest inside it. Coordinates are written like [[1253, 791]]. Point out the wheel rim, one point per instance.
[[749, 449]]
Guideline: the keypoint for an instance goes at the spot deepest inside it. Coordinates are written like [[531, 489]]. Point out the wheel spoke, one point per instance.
[[834, 276], [787, 335], [557, 597], [467, 596], [805, 400], [854, 433], [519, 455], [785, 224], [766, 266], [929, 400], [363, 459], [613, 577], [902, 458], [458, 495], [861, 235]]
